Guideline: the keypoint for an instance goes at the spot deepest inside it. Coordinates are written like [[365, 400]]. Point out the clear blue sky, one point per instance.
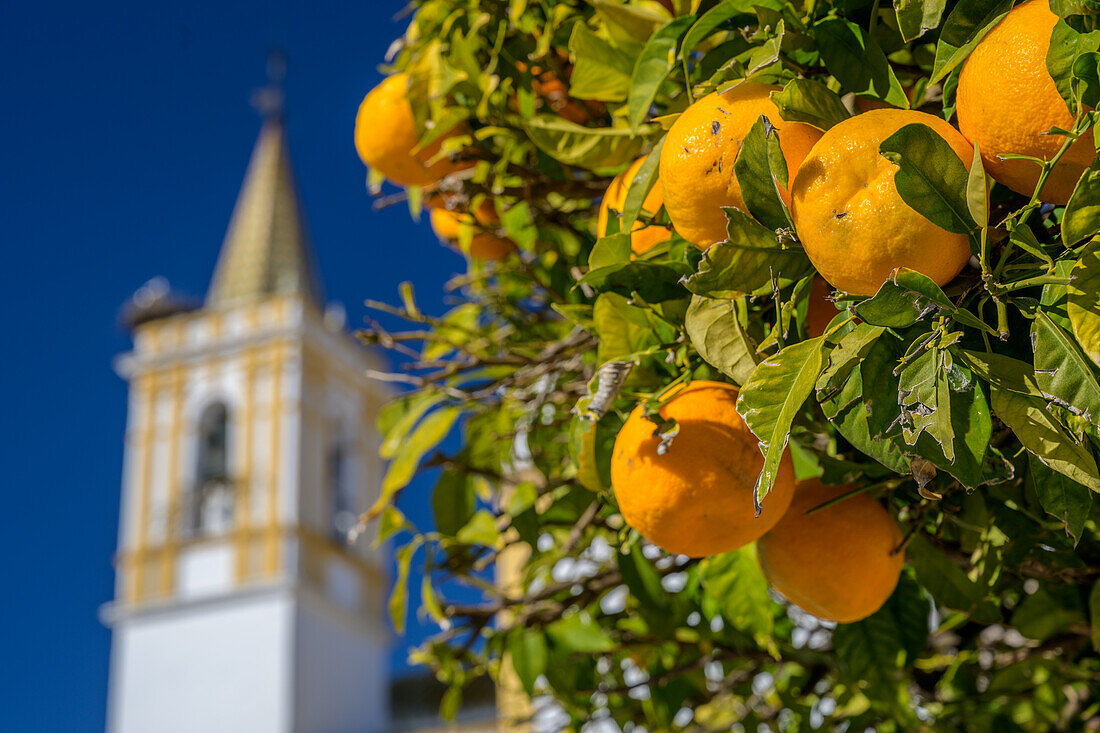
[[125, 131]]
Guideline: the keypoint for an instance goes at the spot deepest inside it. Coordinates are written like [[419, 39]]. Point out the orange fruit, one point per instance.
[[854, 226], [696, 499], [1006, 102], [838, 563], [643, 236], [386, 137], [701, 148], [820, 310], [484, 245]]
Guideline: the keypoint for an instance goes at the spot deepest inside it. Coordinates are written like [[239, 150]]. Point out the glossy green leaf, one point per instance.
[[1083, 300], [917, 16], [747, 262], [643, 183], [453, 502], [1062, 372], [657, 59], [1082, 217], [529, 655], [594, 148], [966, 25], [1061, 497], [1031, 421], [857, 61], [930, 177], [809, 101], [602, 71], [718, 336], [761, 169], [771, 398], [427, 435], [736, 582], [1066, 46]]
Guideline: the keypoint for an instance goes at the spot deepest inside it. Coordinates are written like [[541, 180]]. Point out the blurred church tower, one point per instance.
[[249, 451]]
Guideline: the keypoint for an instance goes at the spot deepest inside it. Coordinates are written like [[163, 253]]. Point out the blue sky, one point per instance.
[[125, 131]]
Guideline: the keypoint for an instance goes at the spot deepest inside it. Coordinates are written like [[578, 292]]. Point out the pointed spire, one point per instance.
[[266, 249]]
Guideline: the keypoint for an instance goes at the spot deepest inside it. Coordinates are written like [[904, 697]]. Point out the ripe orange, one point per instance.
[[838, 563], [701, 148], [386, 136], [696, 499], [643, 236], [1007, 102], [484, 245], [854, 226]]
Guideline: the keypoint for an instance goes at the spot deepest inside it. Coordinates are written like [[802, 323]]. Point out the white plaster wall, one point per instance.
[[223, 667], [341, 672]]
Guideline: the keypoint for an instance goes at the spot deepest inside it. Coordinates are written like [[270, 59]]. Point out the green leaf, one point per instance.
[[657, 59], [613, 249], [397, 418], [529, 655], [428, 434], [480, 530], [601, 71], [1031, 421], [849, 352], [925, 397], [628, 20], [643, 183], [771, 398], [715, 17], [399, 596], [1003, 371], [947, 582], [624, 329], [747, 262], [1083, 300], [718, 336], [600, 149], [1062, 372], [453, 502], [857, 61], [1082, 217], [1067, 500], [810, 101], [965, 26], [734, 580], [930, 178], [579, 634], [977, 190], [909, 296], [917, 16], [761, 169], [1066, 46], [848, 411]]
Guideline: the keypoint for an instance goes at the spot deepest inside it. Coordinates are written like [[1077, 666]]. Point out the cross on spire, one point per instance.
[[269, 99]]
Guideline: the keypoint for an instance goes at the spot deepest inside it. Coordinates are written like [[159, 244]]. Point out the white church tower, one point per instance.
[[250, 449]]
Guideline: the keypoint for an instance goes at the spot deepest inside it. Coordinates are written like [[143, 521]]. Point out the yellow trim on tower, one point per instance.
[[243, 495], [147, 436], [275, 417], [171, 531]]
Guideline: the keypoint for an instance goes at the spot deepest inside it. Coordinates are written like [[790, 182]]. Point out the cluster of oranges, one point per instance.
[[843, 561], [840, 563], [387, 140]]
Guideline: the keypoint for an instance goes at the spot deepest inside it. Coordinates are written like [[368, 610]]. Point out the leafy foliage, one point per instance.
[[971, 411]]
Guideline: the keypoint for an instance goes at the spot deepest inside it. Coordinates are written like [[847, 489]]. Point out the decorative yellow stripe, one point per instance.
[[243, 493], [272, 545], [146, 438], [168, 560]]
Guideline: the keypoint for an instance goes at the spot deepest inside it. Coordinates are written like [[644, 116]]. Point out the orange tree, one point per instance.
[[875, 228]]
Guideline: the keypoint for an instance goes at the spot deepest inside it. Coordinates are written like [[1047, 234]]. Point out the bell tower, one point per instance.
[[249, 452]]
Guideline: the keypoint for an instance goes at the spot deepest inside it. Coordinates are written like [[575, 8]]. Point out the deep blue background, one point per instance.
[[125, 130]]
